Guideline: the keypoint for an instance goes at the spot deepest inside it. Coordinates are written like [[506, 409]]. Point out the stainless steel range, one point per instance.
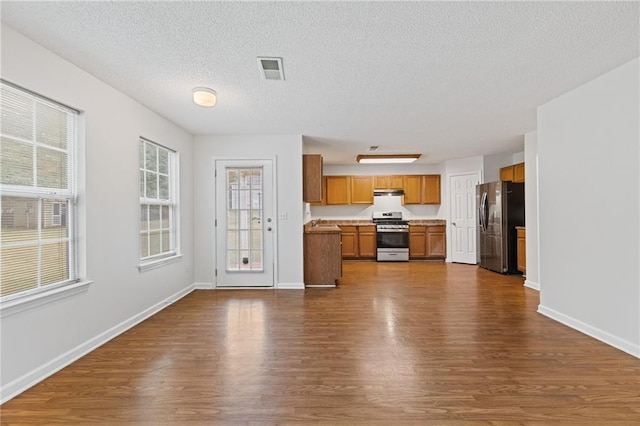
[[392, 237]]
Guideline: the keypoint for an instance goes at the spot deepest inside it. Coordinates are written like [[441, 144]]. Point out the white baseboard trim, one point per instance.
[[608, 338], [203, 286], [532, 285], [290, 286], [21, 384]]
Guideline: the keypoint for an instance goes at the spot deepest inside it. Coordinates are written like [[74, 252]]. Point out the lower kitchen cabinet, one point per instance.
[[322, 258], [521, 234], [427, 242], [349, 241], [417, 242], [436, 242], [367, 242]]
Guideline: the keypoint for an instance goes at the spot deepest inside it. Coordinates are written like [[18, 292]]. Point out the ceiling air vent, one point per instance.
[[271, 68], [373, 148]]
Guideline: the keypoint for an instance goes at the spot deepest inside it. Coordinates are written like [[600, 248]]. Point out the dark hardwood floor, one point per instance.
[[403, 343]]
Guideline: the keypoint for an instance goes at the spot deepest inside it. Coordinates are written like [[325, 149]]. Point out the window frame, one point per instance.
[[39, 194], [172, 202]]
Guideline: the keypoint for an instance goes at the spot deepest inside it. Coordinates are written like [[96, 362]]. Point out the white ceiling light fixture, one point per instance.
[[387, 158], [271, 68], [204, 97]]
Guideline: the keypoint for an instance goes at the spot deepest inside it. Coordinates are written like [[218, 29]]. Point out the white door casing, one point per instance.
[[463, 217], [244, 222]]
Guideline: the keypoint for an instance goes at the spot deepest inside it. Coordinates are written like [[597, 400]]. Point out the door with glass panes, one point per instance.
[[244, 223]]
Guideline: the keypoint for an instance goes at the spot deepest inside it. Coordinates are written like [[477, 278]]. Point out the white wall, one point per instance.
[[588, 159], [288, 152], [36, 342], [531, 208], [493, 164]]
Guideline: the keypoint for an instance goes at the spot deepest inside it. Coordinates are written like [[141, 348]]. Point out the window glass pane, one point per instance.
[[51, 126], [245, 219], [16, 162], [256, 260], [19, 269], [256, 199], [154, 217], [54, 219], [245, 179], [141, 155], [243, 202], [163, 161], [17, 114], [141, 183], [144, 217], [164, 187], [155, 243], [232, 260], [256, 219], [166, 242], [151, 157], [52, 168], [244, 239], [144, 244], [152, 185], [232, 219], [19, 219], [232, 240], [165, 217], [256, 240], [55, 262]]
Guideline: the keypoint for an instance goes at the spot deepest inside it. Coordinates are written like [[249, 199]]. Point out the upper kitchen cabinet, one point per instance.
[[361, 189], [388, 182], [338, 190], [412, 185], [431, 189], [514, 173], [421, 189], [312, 178]]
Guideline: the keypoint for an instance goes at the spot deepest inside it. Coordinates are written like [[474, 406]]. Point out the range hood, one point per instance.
[[388, 192]]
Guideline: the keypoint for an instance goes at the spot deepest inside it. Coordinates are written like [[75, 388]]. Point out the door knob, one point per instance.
[[269, 229]]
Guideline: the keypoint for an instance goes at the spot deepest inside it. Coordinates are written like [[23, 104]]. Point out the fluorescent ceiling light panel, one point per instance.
[[387, 159]]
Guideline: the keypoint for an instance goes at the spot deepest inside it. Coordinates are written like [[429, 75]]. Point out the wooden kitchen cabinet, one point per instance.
[[388, 182], [518, 172], [514, 173], [521, 235], [421, 189], [361, 190], [312, 178], [338, 190], [367, 242], [417, 242], [412, 185], [349, 238], [430, 189], [322, 258], [436, 242]]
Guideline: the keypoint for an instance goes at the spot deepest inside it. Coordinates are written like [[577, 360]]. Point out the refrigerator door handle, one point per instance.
[[483, 211]]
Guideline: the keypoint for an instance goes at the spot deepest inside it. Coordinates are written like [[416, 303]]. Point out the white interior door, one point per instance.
[[244, 223], [463, 217]]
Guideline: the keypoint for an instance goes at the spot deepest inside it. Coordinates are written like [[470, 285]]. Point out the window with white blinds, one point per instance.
[[158, 201], [38, 141]]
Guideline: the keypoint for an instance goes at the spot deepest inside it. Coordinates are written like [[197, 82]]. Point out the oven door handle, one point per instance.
[[397, 231]]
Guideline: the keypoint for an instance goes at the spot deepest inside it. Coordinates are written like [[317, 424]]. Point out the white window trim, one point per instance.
[[162, 259], [32, 301], [46, 293]]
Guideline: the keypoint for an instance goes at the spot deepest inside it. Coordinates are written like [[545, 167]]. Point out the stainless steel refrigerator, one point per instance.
[[500, 210]]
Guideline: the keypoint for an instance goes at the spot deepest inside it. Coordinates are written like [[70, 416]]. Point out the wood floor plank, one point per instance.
[[395, 343]]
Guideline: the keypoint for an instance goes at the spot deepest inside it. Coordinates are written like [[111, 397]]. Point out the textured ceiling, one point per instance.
[[446, 79]]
